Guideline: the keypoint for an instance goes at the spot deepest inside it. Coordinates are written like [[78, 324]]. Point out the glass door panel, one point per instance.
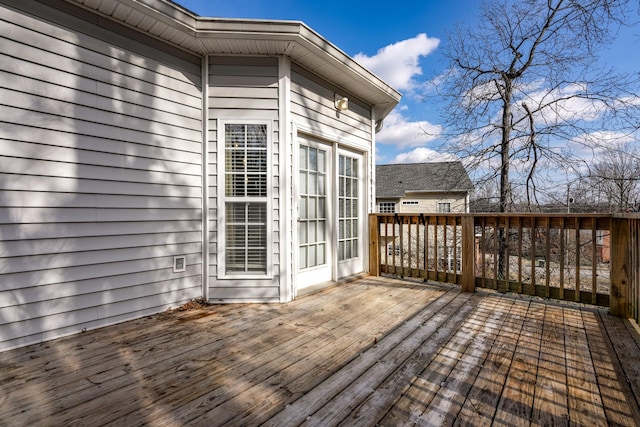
[[313, 216], [350, 213], [313, 236]]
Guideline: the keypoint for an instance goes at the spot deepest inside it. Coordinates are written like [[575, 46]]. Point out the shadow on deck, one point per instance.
[[373, 351]]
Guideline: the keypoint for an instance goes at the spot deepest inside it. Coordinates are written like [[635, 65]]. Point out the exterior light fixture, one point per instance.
[[341, 103]]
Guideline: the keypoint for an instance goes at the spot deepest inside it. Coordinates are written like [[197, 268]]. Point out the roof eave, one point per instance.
[[178, 26]]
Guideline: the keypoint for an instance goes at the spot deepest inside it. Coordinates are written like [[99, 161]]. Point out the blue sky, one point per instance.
[[401, 43]]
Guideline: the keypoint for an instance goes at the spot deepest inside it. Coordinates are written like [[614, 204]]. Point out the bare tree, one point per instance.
[[523, 86], [616, 178]]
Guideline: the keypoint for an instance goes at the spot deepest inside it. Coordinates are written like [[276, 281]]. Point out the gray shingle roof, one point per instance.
[[393, 181]]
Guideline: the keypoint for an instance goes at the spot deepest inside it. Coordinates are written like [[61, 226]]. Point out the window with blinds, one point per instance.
[[245, 193]]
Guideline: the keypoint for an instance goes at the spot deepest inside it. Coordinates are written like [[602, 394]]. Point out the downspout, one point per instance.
[[205, 177], [376, 125], [371, 164]]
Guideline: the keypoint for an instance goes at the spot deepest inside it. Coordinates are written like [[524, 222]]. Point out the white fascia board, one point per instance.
[[344, 71], [386, 98]]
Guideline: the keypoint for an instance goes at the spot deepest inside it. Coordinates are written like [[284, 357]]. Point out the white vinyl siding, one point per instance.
[[113, 164], [433, 203], [101, 177], [313, 110], [243, 90]]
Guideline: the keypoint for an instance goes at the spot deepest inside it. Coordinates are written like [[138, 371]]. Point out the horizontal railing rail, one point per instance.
[[587, 258]]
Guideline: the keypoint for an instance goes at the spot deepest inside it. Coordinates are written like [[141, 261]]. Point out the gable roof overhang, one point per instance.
[[401, 180], [173, 24]]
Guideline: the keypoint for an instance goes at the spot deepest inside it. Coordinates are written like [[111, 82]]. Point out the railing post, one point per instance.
[[468, 254], [374, 245], [620, 259]]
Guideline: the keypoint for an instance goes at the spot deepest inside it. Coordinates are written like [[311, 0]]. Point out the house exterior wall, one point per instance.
[[249, 89], [428, 203], [112, 163], [315, 118], [313, 111], [101, 175], [241, 90]]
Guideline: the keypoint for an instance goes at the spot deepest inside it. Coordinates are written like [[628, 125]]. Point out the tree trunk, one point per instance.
[[504, 175], [505, 145]]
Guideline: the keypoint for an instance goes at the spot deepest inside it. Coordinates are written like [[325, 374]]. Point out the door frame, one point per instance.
[[356, 264], [327, 271], [335, 149]]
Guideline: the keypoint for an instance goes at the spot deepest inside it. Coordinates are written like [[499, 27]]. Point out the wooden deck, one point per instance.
[[373, 351]]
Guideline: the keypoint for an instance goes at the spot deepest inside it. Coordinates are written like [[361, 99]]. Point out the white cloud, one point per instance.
[[423, 155], [590, 146], [606, 138], [433, 85], [564, 104], [398, 63], [402, 133]]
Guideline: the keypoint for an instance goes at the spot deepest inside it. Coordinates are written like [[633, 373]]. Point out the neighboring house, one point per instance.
[[149, 156], [441, 187]]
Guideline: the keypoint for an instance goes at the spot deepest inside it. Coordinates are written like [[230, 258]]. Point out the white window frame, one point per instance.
[[388, 206], [443, 204], [222, 200]]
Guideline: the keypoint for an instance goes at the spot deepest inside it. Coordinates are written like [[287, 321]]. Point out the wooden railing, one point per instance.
[[625, 266], [585, 258]]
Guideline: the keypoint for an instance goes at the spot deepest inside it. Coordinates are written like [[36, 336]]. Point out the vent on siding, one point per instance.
[[179, 264]]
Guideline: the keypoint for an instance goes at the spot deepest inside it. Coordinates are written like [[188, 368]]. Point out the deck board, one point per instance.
[[550, 403], [612, 391], [451, 375], [515, 406], [483, 397], [373, 351], [299, 371], [585, 402], [386, 361]]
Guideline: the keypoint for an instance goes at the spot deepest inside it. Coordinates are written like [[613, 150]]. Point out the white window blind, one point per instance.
[[246, 183], [246, 160], [246, 237]]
